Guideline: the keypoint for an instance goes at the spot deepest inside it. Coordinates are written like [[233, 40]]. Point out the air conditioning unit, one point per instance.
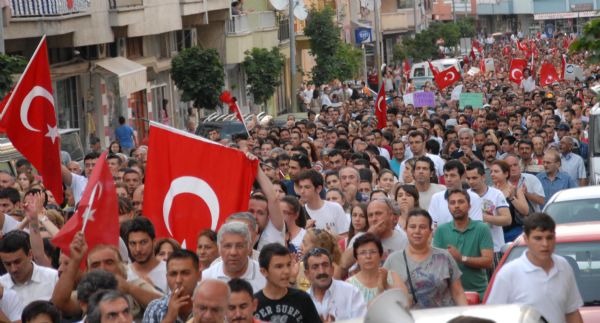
[[102, 50], [122, 46]]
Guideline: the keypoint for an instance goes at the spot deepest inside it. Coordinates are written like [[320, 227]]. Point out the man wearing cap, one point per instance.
[[562, 130], [572, 163]]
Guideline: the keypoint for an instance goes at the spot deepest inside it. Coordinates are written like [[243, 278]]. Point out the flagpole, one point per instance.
[[21, 77]]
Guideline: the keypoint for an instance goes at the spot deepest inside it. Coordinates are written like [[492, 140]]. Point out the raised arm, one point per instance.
[[66, 175], [61, 296], [34, 205], [266, 186]]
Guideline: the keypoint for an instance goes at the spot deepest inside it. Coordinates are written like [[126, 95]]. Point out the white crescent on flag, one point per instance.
[[514, 73], [450, 76], [379, 103]]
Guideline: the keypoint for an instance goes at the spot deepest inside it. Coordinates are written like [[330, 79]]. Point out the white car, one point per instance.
[[579, 204]]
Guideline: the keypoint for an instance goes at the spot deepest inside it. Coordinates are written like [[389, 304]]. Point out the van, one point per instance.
[[420, 73], [594, 146]]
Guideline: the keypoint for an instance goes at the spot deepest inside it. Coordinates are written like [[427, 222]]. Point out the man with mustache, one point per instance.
[[335, 300], [242, 303]]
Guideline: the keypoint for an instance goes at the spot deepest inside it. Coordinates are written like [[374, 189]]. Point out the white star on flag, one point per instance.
[[52, 133]]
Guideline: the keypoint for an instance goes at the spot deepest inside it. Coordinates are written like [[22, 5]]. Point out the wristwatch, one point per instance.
[[464, 259]]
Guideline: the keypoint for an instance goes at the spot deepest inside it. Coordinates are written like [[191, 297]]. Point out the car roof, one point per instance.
[[578, 193], [572, 232]]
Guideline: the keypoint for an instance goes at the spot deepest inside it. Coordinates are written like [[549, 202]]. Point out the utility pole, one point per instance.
[[2, 51], [377, 7], [453, 11], [293, 103], [415, 16]]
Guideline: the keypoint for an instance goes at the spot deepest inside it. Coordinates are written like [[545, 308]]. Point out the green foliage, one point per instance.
[[199, 73], [589, 41], [424, 45], [263, 70], [334, 59], [9, 65]]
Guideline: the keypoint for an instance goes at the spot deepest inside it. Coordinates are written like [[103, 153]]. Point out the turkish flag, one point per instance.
[[406, 67], [472, 55], [517, 65], [29, 118], [506, 51], [482, 65], [447, 77], [193, 184], [475, 43], [522, 46], [563, 65], [566, 43], [381, 108], [97, 214], [548, 74]]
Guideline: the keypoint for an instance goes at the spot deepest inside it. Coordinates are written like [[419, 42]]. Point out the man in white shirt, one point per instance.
[[30, 281], [416, 140], [424, 168], [495, 210], [140, 243], [76, 182], [438, 207], [539, 278], [527, 83], [234, 241], [334, 299], [324, 214], [265, 209]]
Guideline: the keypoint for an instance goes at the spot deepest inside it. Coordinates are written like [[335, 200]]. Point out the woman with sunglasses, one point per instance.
[[430, 274]]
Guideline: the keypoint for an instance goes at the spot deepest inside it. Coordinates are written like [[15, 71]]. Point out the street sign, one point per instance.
[[363, 35]]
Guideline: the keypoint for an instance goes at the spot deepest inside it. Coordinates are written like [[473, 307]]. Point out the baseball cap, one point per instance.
[[564, 127]]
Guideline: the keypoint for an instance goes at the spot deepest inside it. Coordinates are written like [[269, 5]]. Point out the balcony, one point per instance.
[[283, 34], [47, 8], [123, 4], [255, 29], [399, 21], [194, 7]]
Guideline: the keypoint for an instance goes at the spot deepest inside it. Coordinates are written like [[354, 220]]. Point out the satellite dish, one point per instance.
[[389, 307], [300, 12], [279, 4]]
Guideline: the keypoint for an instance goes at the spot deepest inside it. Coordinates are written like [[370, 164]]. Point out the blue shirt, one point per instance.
[[395, 166], [573, 165], [561, 182], [124, 135]]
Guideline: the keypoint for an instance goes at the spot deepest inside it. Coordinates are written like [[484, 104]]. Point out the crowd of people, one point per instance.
[[340, 212]]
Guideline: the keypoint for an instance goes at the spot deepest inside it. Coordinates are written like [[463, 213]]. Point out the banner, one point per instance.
[[424, 99], [473, 99]]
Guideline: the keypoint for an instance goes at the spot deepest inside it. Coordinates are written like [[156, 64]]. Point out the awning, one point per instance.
[[131, 75], [564, 15]]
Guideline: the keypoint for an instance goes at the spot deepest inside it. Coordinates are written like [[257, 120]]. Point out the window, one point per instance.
[[65, 92], [405, 4], [135, 47]]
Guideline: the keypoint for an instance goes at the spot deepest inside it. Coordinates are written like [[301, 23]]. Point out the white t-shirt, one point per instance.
[[330, 216], [297, 240], [252, 274], [553, 294], [493, 200], [11, 305], [425, 197], [9, 224], [397, 242], [533, 185], [157, 276], [270, 235], [78, 184], [438, 162], [440, 213]]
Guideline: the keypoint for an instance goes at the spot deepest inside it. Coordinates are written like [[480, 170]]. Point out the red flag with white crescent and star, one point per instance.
[[29, 118], [517, 65], [97, 214], [406, 68], [193, 183], [381, 108], [447, 77], [548, 74]]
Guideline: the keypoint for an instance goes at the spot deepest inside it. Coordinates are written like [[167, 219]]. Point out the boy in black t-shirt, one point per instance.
[[277, 302]]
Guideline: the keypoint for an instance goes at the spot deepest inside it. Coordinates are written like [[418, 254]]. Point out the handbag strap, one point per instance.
[[410, 284]]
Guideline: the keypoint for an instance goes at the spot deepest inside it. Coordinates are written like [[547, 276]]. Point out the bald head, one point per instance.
[[211, 298]]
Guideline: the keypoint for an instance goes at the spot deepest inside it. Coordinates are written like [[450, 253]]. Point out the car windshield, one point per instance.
[[419, 72], [584, 258], [574, 211]]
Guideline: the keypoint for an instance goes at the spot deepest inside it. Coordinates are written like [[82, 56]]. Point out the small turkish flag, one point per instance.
[[472, 55], [482, 65], [447, 77], [406, 67], [548, 74], [522, 46], [193, 184], [381, 108], [97, 214], [29, 118], [475, 43], [517, 65], [506, 51]]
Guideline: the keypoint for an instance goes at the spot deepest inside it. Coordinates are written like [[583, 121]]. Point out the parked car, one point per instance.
[[574, 205], [69, 142], [579, 244], [421, 73]]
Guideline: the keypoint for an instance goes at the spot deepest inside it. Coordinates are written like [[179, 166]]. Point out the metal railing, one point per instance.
[[284, 29], [249, 22], [115, 4], [42, 8], [238, 24]]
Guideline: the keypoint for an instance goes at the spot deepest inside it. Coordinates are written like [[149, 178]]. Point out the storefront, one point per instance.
[[569, 22]]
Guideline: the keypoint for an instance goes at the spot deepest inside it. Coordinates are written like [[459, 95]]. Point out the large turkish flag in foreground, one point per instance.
[[517, 65], [193, 183], [97, 214], [29, 118]]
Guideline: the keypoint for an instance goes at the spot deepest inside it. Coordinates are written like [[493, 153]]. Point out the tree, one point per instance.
[[335, 59], [199, 73], [589, 41], [9, 65], [263, 70]]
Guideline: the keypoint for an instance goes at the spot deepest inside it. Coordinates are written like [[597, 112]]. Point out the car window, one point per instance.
[[6, 167], [420, 71], [584, 258], [574, 211]]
